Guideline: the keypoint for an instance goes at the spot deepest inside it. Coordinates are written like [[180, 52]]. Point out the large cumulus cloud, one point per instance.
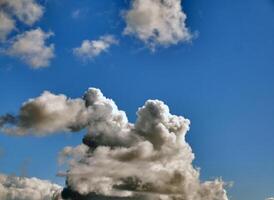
[[157, 22], [21, 188], [149, 159]]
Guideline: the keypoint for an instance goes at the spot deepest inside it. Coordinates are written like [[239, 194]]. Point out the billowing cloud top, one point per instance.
[[157, 22], [146, 160], [21, 188]]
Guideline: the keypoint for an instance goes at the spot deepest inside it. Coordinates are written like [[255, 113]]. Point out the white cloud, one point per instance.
[[157, 22], [47, 113], [93, 48], [7, 25], [21, 188], [149, 159], [27, 11], [270, 198], [31, 48]]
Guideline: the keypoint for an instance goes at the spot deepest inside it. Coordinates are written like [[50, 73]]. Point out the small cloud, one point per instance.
[[79, 13], [157, 22], [31, 48], [93, 48], [76, 14]]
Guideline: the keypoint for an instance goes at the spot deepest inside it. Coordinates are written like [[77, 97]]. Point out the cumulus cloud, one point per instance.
[[26, 11], [7, 25], [31, 48], [157, 22], [90, 49], [149, 159], [21, 188], [45, 114], [270, 198]]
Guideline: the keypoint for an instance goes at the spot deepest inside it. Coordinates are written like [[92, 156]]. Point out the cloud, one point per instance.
[[157, 22], [27, 11], [21, 188], [149, 159], [270, 198], [31, 48], [7, 25], [93, 48], [45, 114]]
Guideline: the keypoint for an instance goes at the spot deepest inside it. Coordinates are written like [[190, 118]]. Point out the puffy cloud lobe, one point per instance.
[[27, 11], [157, 22], [7, 25], [20, 188], [146, 160], [93, 48], [45, 114], [31, 48]]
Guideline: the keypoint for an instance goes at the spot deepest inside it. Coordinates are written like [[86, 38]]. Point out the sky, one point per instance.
[[218, 74]]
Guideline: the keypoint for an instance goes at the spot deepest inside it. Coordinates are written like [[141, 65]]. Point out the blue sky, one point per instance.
[[222, 81]]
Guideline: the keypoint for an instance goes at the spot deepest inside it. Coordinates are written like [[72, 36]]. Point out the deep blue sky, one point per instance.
[[223, 82]]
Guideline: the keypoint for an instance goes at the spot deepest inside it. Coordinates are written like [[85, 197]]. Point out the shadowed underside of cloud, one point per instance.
[[157, 22], [149, 159], [21, 188]]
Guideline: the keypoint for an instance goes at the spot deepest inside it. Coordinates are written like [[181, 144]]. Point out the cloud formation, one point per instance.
[[149, 159], [21, 188], [7, 25], [157, 22], [26, 11], [90, 49], [31, 48], [48, 113]]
